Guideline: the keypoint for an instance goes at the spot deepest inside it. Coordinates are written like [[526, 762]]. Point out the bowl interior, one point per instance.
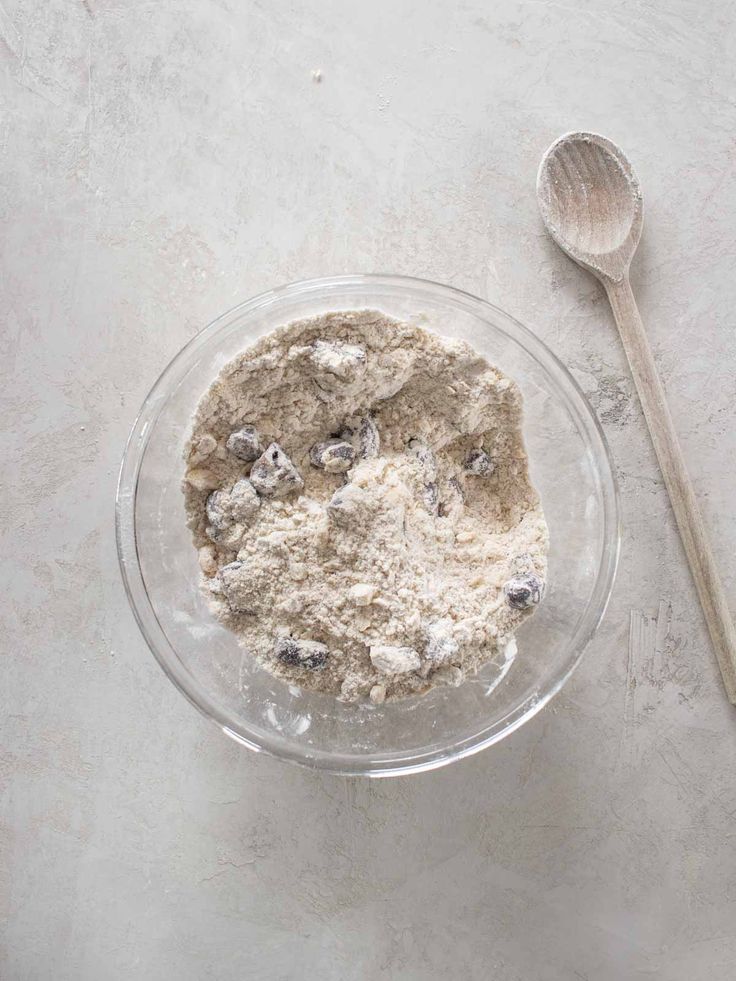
[[569, 467]]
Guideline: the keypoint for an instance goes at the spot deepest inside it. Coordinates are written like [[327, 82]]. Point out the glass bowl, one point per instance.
[[570, 467]]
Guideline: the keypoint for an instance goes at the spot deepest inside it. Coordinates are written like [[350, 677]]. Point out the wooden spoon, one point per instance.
[[591, 204]]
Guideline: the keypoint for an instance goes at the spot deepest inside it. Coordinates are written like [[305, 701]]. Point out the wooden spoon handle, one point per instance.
[[684, 504]]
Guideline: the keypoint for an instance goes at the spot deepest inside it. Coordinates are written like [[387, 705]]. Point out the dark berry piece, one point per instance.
[[524, 591], [362, 433], [245, 443], [218, 510], [479, 464], [334, 456], [369, 441], [230, 568], [301, 653], [230, 537], [441, 645], [274, 475]]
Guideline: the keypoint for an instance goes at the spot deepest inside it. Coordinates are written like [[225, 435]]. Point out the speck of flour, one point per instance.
[[357, 488]]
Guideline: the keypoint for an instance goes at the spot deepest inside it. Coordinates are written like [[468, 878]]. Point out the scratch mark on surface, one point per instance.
[[669, 766], [237, 865], [234, 865], [635, 627], [558, 827], [649, 638], [13, 41], [209, 878], [528, 767], [88, 8], [690, 780], [648, 641], [10, 35], [90, 103]]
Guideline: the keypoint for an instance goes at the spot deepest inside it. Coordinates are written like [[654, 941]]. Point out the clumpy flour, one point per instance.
[[358, 492]]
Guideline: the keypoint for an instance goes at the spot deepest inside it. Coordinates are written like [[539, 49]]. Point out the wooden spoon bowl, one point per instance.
[[591, 202]]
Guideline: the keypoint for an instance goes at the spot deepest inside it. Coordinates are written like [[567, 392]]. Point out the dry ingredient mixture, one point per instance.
[[357, 488]]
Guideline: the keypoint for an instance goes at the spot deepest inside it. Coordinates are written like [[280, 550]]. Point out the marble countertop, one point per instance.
[[162, 161]]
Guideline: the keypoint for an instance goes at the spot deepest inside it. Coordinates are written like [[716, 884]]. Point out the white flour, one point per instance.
[[391, 540]]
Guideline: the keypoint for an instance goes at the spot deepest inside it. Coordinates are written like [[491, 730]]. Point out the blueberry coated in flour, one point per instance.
[[245, 443], [333, 455], [230, 537], [337, 510], [217, 510], [230, 567], [478, 463], [301, 653], [369, 441], [244, 501], [274, 475], [345, 505], [524, 591], [431, 498], [362, 433], [441, 644], [237, 588], [226, 573]]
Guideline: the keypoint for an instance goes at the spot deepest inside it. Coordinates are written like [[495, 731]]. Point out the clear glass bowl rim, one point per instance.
[[342, 763]]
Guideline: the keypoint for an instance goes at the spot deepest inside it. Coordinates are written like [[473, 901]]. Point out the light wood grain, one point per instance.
[[591, 204]]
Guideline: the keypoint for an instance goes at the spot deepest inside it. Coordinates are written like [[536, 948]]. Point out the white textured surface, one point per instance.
[[162, 161]]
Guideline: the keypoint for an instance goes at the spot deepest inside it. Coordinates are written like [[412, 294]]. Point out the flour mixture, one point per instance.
[[358, 491]]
